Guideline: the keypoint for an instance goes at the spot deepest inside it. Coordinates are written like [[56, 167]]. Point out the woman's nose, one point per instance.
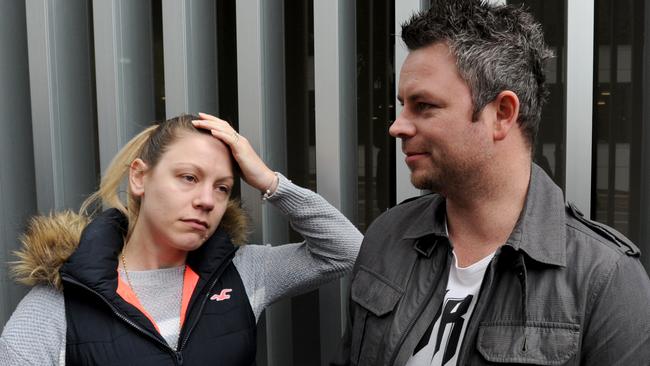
[[205, 198]]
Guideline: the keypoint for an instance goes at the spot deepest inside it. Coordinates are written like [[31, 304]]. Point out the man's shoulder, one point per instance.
[[407, 219], [408, 209], [600, 241]]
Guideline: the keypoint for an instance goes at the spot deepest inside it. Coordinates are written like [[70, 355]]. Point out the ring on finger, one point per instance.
[[235, 135]]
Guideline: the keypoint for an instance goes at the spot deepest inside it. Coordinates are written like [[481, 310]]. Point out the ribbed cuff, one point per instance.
[[288, 197]]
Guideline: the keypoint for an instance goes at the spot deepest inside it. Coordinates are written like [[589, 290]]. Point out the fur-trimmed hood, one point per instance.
[[50, 240]]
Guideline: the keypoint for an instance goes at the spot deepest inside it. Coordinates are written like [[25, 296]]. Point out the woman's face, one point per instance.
[[184, 197]]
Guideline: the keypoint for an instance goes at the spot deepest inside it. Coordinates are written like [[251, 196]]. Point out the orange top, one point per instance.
[[190, 279]]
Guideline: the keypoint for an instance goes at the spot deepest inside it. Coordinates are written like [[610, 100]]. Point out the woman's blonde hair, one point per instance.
[[149, 145]]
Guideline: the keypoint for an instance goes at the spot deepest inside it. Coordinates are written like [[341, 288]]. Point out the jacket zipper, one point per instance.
[[412, 323], [177, 355], [127, 320], [484, 295], [217, 275]]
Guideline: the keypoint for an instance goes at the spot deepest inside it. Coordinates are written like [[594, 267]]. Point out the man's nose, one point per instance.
[[402, 127]]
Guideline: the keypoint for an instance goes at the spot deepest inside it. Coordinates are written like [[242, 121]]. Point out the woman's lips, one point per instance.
[[196, 224]]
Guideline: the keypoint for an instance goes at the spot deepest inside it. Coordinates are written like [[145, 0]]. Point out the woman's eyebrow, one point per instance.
[[228, 178], [187, 164]]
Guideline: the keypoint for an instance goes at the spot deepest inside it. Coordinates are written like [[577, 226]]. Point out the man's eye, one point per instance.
[[423, 106]]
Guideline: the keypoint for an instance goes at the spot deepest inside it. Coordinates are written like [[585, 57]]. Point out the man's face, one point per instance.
[[444, 149]]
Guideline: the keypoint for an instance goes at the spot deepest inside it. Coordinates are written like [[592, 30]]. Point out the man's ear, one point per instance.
[[507, 112], [137, 171]]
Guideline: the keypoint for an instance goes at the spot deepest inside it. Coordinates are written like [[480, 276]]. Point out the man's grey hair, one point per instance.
[[497, 48]]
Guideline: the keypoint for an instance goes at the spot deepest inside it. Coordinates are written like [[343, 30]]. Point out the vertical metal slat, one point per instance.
[[262, 115], [124, 72], [63, 109], [579, 109], [336, 142], [190, 49]]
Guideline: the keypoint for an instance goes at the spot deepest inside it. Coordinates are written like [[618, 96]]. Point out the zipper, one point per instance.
[[216, 276], [484, 295], [128, 321], [177, 355], [411, 323]]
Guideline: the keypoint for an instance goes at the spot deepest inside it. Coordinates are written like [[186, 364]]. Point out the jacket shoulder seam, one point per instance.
[[604, 233], [613, 248], [604, 279]]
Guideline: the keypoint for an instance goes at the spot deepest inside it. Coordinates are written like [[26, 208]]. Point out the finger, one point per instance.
[[218, 128], [231, 138], [212, 124], [202, 123], [206, 119], [209, 117]]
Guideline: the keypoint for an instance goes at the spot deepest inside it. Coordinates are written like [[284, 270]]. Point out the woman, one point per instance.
[[158, 280]]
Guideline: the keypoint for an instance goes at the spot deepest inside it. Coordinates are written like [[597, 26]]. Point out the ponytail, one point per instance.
[[118, 170]]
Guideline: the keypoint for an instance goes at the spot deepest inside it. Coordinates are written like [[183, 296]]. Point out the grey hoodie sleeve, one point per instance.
[[35, 333], [330, 248]]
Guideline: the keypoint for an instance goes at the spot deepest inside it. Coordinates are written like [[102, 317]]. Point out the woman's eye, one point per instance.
[[189, 178], [223, 189]]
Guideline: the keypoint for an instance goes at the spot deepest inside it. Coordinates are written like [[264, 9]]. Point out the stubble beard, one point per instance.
[[431, 177], [426, 180], [449, 178]]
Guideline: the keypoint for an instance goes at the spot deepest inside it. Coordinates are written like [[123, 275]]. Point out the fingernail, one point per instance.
[[195, 122]]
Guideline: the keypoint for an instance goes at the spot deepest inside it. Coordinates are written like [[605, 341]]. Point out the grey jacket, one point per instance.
[[561, 291]]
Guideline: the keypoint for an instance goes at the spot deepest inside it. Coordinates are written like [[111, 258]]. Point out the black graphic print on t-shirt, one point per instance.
[[453, 311]]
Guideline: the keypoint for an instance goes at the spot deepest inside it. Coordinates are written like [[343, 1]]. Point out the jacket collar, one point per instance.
[[429, 221], [95, 261], [540, 231]]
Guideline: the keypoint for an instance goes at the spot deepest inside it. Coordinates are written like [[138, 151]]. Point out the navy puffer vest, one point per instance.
[[104, 329]]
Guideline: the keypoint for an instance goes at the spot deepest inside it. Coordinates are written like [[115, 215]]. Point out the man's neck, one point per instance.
[[481, 222]]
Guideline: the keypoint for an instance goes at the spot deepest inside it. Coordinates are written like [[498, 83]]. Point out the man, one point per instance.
[[493, 268]]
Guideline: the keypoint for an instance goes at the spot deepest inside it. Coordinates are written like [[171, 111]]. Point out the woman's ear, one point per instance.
[[507, 113], [137, 171]]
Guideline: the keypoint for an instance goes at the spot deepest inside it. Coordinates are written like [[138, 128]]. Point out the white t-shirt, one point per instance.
[[441, 342]]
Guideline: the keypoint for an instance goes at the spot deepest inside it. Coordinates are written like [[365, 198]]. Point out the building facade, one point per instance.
[[311, 84]]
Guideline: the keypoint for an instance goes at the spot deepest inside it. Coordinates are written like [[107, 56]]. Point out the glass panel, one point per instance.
[[375, 108], [227, 68], [227, 61], [621, 167], [299, 60], [301, 156], [549, 149], [158, 59]]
